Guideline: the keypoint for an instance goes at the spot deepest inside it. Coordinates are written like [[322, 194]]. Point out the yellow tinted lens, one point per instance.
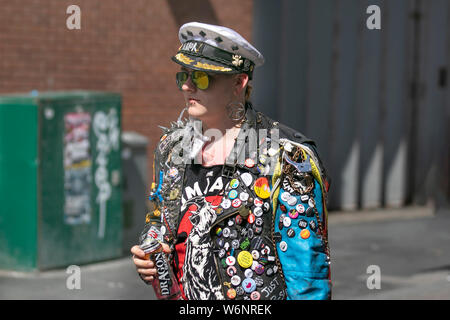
[[200, 79]]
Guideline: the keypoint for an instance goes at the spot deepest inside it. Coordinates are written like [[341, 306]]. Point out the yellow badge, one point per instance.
[[262, 188], [245, 259]]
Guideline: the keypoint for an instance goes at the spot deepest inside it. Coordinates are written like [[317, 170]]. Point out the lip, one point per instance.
[[193, 100]]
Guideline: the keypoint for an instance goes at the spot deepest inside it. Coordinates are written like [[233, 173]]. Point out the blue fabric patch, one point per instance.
[[305, 263]]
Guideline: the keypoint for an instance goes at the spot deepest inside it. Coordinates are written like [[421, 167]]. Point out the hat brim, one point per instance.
[[202, 64]]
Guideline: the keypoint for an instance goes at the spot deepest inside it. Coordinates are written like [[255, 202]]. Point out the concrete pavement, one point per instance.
[[410, 246]]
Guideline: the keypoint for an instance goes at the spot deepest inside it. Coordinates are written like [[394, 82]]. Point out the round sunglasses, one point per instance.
[[199, 78]]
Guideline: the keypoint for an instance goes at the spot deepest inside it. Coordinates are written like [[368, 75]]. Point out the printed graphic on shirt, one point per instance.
[[202, 194]]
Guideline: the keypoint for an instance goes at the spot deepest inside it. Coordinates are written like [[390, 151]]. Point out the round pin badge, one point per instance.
[[247, 178], [290, 233], [293, 214], [231, 293], [226, 232], [283, 246], [302, 223], [287, 222], [258, 202], [251, 218], [285, 196], [304, 198], [236, 203], [258, 212], [245, 259], [304, 234], [238, 219], [231, 261], [173, 172], [232, 194], [231, 271], [262, 188], [244, 196], [255, 254], [259, 270], [235, 244], [249, 285], [234, 183], [235, 280], [292, 201], [248, 273], [300, 208], [249, 163], [226, 203]]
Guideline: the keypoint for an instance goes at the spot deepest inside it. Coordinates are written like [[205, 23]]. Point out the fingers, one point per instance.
[[138, 252]]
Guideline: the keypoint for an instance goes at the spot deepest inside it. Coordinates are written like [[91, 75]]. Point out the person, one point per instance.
[[238, 199]]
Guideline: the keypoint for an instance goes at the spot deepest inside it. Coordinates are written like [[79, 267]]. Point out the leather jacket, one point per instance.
[[270, 244]]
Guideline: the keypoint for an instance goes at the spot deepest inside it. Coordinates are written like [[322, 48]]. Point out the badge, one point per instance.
[[292, 201], [287, 222], [247, 179], [262, 188], [312, 225], [245, 244], [304, 198], [259, 270], [304, 234], [258, 212], [258, 202], [249, 163], [300, 208], [285, 196], [236, 203], [238, 219], [255, 254], [226, 232], [311, 202], [293, 214], [290, 233], [231, 293], [251, 218], [302, 223], [245, 259], [249, 285], [235, 280], [232, 194], [283, 246], [235, 244], [231, 271], [173, 194], [249, 273], [244, 196], [173, 172], [226, 203], [231, 261], [234, 183]]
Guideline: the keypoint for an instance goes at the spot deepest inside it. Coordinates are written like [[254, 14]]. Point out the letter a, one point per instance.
[[74, 280], [73, 21], [373, 281], [374, 21]]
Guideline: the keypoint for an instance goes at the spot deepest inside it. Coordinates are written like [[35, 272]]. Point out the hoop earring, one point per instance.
[[236, 111]]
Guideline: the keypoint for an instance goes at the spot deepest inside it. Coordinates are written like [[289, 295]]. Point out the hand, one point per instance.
[[145, 268]]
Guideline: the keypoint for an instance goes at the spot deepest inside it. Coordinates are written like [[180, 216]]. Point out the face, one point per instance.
[[211, 101]]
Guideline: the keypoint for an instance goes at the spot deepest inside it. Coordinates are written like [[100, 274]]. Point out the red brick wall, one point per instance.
[[123, 46]]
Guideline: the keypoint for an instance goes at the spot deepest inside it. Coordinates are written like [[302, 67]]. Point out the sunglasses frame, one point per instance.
[[189, 74]]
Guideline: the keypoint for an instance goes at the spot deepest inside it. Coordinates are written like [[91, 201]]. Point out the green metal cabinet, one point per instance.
[[60, 179]]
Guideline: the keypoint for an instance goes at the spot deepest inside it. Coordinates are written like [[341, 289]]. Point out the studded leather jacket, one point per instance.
[[267, 236]]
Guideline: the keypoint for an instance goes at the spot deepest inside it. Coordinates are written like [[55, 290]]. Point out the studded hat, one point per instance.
[[216, 49]]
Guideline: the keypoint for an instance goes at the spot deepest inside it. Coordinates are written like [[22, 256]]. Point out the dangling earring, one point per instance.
[[236, 111]]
